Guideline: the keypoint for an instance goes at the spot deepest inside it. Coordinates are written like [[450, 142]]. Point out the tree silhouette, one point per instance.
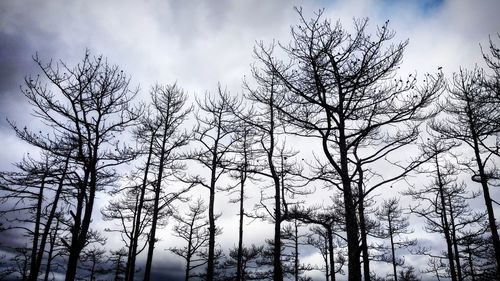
[[468, 119], [213, 133], [126, 209], [273, 159], [32, 198], [192, 228], [243, 154], [117, 260], [88, 109], [168, 103], [332, 95], [443, 205], [250, 262], [397, 224], [339, 88]]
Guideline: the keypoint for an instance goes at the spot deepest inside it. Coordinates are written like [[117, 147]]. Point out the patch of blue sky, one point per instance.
[[423, 7], [429, 6]]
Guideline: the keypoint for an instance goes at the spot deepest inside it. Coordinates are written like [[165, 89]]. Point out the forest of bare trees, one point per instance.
[[326, 113]]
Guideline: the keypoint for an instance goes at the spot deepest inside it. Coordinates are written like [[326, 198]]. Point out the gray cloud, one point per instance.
[[199, 43]]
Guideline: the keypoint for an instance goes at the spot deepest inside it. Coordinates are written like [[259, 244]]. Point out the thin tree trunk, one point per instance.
[[278, 270], [211, 204], [240, 233], [81, 228], [454, 240], [243, 177], [188, 263], [74, 248], [92, 270], [327, 255], [51, 251], [354, 267], [489, 207], [351, 221], [131, 241], [329, 232], [211, 218], [446, 227], [154, 222], [296, 261], [118, 268], [471, 265], [362, 226], [130, 270], [36, 233], [393, 252], [189, 250], [46, 231], [277, 266]]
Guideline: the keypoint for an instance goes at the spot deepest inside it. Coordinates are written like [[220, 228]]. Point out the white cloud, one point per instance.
[[199, 43]]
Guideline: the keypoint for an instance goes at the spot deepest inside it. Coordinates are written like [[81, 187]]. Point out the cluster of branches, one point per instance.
[[336, 89]]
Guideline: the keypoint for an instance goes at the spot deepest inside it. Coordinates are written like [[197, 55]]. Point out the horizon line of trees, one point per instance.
[[330, 87]]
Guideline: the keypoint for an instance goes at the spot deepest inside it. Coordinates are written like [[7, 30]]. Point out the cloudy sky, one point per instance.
[[200, 43]]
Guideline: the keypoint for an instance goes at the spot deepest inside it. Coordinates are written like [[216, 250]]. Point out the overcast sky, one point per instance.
[[201, 43]]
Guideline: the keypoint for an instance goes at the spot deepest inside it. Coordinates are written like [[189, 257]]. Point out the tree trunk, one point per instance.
[[489, 207], [327, 255], [130, 270], [46, 231], [471, 265], [36, 233], [486, 191], [278, 217], [81, 228], [211, 222], [51, 251], [278, 270], [296, 261], [240, 233], [393, 252], [189, 250], [329, 232], [446, 226], [352, 231], [354, 267], [74, 249], [362, 226], [154, 221], [454, 240]]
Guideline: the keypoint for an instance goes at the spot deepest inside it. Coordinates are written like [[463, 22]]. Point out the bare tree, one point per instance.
[[31, 198], [468, 119], [192, 228], [145, 135], [125, 209], [340, 88], [479, 257], [213, 133], [85, 110], [53, 253], [492, 81], [273, 160], [294, 239], [93, 264], [117, 259], [250, 262], [443, 205], [243, 154], [408, 274], [397, 225], [324, 240], [169, 105]]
